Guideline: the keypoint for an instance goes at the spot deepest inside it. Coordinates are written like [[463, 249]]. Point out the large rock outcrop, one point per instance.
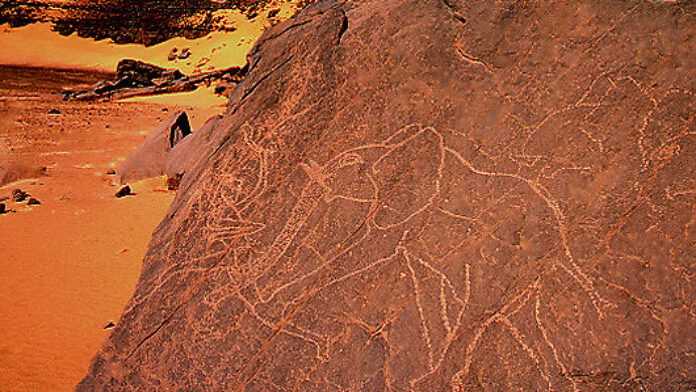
[[434, 196], [150, 158]]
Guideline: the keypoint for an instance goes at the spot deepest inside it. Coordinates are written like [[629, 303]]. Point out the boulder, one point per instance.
[[123, 192], [422, 195], [149, 159], [188, 151], [135, 73], [19, 195]]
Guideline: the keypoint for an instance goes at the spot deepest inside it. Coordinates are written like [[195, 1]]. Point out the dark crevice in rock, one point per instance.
[[455, 10], [159, 328], [344, 26]]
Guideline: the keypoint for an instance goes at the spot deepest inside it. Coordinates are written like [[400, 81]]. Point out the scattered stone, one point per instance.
[[33, 201], [273, 13], [220, 89], [19, 195], [136, 78], [123, 192], [109, 325], [185, 53], [110, 172], [54, 111], [172, 54], [173, 182]]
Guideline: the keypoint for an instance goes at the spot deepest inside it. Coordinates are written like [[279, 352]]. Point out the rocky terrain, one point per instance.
[[410, 195], [137, 78], [129, 21]]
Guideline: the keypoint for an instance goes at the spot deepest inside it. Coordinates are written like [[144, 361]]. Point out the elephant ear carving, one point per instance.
[[408, 176]]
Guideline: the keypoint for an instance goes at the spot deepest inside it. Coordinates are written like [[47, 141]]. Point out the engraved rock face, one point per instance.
[[410, 195]]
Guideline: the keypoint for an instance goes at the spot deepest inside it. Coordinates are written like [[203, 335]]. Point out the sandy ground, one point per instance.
[[68, 266]]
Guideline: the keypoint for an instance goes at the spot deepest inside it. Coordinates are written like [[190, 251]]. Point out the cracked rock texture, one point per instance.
[[434, 196]]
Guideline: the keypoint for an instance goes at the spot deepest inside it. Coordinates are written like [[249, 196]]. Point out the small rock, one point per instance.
[[273, 13], [33, 202], [185, 53], [173, 182], [220, 89], [110, 172], [125, 191], [3, 209], [54, 111], [172, 54], [109, 325], [19, 195]]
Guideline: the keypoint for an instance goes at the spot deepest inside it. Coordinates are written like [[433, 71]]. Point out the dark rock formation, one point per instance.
[[19, 195], [185, 53], [149, 159], [3, 209], [123, 192], [189, 151], [33, 201], [146, 22], [134, 73], [419, 195], [135, 78]]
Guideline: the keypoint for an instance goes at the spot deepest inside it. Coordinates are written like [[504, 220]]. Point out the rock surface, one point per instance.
[[434, 196], [149, 159], [190, 150], [123, 192]]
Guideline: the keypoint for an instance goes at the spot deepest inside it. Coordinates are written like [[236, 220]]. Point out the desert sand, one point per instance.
[[69, 265]]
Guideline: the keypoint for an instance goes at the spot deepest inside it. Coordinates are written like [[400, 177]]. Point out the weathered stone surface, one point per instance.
[[190, 150], [434, 196], [149, 159]]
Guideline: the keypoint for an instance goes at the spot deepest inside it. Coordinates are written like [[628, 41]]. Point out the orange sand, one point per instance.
[[68, 266]]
